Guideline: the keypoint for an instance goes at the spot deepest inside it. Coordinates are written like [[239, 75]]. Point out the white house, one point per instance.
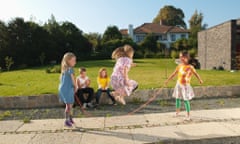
[[164, 34]]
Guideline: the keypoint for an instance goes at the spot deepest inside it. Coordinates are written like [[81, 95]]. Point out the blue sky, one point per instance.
[[96, 15]]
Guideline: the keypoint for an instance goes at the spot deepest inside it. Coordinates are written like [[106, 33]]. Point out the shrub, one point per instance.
[[192, 53], [138, 54], [26, 120], [160, 55], [221, 68], [174, 54], [149, 54], [54, 69], [9, 62]]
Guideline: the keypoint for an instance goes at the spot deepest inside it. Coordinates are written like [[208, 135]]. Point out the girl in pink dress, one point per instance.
[[120, 81]]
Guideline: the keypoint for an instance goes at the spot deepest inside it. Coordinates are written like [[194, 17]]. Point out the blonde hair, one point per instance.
[[100, 71], [64, 64], [125, 51]]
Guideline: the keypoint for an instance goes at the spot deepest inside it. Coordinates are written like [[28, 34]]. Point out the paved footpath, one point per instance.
[[207, 126]]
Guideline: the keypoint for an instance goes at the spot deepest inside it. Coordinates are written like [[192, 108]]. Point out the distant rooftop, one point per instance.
[[155, 28]]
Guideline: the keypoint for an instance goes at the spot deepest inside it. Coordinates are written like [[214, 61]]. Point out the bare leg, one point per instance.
[[178, 106]]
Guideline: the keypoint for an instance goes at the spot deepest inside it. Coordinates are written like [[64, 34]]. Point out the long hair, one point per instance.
[[100, 73], [64, 64], [125, 51], [118, 52], [128, 51]]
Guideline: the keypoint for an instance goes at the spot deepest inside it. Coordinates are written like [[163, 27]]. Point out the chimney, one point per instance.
[[130, 30]]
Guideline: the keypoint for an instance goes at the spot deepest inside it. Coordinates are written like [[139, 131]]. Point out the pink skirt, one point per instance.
[[121, 88], [184, 92]]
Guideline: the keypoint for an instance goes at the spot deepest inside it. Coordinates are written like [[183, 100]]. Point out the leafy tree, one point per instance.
[[18, 40], [169, 15], [174, 54], [150, 43], [3, 42], [94, 39], [26, 41], [75, 41], [111, 33], [180, 45], [56, 39], [196, 25]]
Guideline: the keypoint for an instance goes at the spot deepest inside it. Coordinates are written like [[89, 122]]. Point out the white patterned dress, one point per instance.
[[117, 78]]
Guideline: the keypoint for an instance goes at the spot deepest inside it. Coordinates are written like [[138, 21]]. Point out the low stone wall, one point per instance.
[[29, 101], [200, 92], [140, 95]]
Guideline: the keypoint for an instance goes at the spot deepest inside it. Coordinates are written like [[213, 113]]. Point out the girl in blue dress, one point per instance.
[[67, 85]]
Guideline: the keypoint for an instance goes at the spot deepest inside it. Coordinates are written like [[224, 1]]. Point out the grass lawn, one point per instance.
[[150, 73]]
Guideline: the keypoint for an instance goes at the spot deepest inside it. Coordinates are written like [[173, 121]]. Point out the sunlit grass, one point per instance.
[[150, 73]]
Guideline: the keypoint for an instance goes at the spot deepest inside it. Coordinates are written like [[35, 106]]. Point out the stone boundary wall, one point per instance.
[[44, 101]]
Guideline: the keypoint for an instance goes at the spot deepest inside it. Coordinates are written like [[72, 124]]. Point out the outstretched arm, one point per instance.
[[171, 76], [133, 64], [198, 77]]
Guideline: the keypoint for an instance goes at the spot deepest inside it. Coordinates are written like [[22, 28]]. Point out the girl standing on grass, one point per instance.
[[67, 86], [183, 89], [103, 85], [120, 81]]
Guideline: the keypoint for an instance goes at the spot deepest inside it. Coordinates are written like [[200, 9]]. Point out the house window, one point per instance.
[[173, 37], [140, 38], [160, 38], [183, 35], [164, 37]]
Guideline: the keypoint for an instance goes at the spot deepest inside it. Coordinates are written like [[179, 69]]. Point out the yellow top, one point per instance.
[[103, 82], [185, 73]]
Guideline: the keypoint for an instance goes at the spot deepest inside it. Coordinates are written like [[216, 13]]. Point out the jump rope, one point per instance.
[[87, 114]]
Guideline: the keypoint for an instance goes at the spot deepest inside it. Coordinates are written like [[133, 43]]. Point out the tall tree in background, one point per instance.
[[74, 40], [94, 39], [3, 42], [30, 44], [196, 25], [169, 15], [111, 33], [56, 39]]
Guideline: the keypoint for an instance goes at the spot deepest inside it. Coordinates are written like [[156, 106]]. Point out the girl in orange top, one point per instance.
[[183, 89]]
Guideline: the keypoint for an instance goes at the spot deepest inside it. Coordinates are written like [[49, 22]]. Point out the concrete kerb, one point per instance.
[[51, 100]]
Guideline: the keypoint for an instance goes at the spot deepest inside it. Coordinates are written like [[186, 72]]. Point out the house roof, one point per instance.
[[157, 28]]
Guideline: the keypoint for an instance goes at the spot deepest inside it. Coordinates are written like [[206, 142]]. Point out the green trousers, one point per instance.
[[186, 103]]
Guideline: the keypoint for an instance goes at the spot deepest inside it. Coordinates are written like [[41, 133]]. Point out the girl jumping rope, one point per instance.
[[67, 86], [183, 89], [120, 81]]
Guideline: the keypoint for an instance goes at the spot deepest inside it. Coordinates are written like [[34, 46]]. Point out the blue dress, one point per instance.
[[66, 87]]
